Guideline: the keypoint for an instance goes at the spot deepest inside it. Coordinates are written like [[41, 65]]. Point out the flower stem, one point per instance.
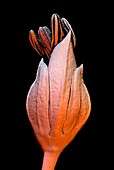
[[49, 160]]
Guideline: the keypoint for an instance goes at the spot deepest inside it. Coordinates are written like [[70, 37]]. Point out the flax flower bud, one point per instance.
[[58, 103]]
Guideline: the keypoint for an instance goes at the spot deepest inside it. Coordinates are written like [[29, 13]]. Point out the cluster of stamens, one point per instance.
[[46, 40]]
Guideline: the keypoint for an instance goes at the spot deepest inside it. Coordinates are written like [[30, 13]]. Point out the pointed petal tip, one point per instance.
[[42, 63], [40, 66], [81, 68]]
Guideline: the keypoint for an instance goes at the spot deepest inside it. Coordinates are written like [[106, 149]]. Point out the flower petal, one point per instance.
[[61, 67], [74, 103], [85, 109], [37, 101]]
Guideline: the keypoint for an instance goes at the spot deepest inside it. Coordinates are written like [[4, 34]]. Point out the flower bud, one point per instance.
[[58, 103]]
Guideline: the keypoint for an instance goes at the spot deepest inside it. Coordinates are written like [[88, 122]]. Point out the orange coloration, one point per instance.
[[58, 103]]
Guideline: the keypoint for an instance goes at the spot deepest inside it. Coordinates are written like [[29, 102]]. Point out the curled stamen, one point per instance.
[[56, 27], [44, 36], [67, 27], [35, 42]]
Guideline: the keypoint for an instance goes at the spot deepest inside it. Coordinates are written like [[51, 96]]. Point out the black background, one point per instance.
[[20, 149]]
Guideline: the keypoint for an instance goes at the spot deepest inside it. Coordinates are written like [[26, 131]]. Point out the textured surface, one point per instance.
[[58, 102]]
